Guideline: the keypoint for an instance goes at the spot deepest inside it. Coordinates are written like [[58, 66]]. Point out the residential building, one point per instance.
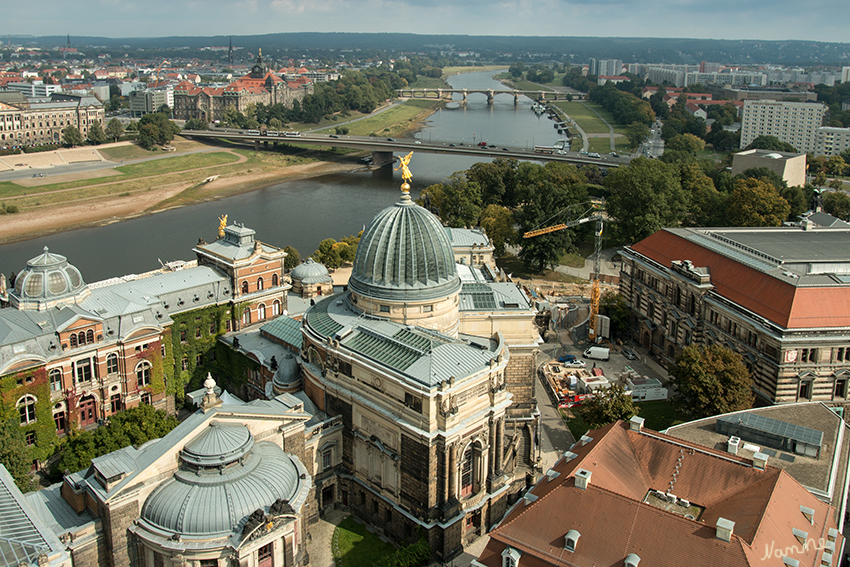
[[845, 74], [30, 121], [792, 122], [626, 495], [34, 89], [609, 67], [151, 100], [831, 141], [777, 296], [789, 166]]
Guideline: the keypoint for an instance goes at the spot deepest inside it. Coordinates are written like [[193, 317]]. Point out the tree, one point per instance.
[[637, 133], [838, 205], [328, 254], [756, 203], [293, 258], [96, 134], [13, 452], [797, 201], [686, 143], [773, 143], [71, 136], [710, 380], [156, 128], [196, 124], [607, 406], [498, 222], [613, 306], [114, 129], [646, 196], [457, 203]]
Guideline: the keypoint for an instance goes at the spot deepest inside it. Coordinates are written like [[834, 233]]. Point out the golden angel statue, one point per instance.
[[405, 171], [222, 222]]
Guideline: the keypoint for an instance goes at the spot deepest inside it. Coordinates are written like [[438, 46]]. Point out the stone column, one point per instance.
[[500, 444], [453, 472], [491, 469], [444, 489]]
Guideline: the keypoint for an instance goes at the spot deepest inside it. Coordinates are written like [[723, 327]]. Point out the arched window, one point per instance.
[[245, 287], [56, 380], [89, 336], [276, 308], [261, 312], [315, 358], [466, 471], [143, 374], [246, 316], [274, 280], [112, 364], [81, 338], [73, 340], [26, 407], [259, 284]]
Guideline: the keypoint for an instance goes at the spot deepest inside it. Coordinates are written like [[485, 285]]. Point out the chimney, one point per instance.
[[636, 424], [583, 478], [807, 224], [724, 529], [759, 461], [732, 444]]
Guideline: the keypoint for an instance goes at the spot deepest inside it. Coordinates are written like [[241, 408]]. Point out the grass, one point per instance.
[[514, 265], [585, 118], [179, 163], [395, 121], [470, 69], [528, 86], [659, 415], [358, 547], [131, 151], [428, 83]]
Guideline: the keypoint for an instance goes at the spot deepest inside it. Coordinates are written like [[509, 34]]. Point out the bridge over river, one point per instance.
[[445, 93], [382, 148]]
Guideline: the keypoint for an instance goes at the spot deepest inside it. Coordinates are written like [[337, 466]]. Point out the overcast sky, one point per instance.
[[820, 20]]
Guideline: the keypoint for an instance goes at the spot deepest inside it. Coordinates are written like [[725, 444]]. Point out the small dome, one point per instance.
[[404, 255], [218, 445], [287, 373], [310, 272], [48, 278]]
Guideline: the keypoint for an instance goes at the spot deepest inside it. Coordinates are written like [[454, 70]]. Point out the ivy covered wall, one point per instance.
[[193, 350], [33, 382]]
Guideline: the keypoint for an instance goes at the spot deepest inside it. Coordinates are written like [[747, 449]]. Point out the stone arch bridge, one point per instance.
[[446, 94]]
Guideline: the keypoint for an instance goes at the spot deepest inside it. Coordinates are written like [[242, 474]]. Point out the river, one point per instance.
[[296, 213]]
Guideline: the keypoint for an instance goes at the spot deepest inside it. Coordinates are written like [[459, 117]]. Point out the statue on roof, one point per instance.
[[405, 171], [222, 222]]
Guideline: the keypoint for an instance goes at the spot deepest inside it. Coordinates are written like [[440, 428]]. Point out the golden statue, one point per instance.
[[405, 171], [222, 222]]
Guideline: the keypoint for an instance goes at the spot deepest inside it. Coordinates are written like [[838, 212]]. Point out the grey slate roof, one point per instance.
[[465, 237], [51, 508], [493, 296], [422, 355], [284, 329], [310, 272]]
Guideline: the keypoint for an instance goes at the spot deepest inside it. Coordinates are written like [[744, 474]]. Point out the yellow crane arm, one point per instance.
[[555, 227]]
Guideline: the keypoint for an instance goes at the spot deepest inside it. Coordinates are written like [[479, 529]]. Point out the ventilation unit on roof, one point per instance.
[[733, 444]]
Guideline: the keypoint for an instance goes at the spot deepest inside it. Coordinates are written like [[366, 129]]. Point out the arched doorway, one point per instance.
[[88, 411]]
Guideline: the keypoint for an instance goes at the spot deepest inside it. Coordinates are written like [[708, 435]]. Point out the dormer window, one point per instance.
[[571, 540], [510, 557]]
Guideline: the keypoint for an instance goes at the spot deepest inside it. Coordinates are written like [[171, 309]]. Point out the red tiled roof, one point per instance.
[[784, 304], [613, 520]]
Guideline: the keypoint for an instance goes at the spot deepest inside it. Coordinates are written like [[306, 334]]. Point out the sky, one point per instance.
[[819, 20]]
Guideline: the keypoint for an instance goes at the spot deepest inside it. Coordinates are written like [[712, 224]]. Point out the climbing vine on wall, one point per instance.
[[153, 354], [193, 345], [33, 382]]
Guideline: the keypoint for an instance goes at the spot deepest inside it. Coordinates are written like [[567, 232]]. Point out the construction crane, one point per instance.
[[164, 62], [595, 292]]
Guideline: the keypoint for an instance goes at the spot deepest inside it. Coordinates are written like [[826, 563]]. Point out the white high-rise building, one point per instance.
[[791, 122], [845, 74], [830, 141]]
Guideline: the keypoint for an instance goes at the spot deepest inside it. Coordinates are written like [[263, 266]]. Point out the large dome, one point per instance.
[[225, 478], [48, 280], [404, 255]]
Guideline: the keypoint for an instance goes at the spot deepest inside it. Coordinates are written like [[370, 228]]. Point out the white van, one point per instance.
[[597, 352]]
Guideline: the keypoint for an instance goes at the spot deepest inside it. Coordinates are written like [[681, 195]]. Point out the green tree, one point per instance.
[[756, 203], [838, 205], [773, 143], [114, 129], [710, 380], [196, 124], [797, 201], [613, 306], [457, 203], [686, 143], [96, 134], [637, 133], [13, 451], [498, 222], [293, 258], [275, 124], [646, 196], [607, 406], [155, 129], [71, 136], [328, 254]]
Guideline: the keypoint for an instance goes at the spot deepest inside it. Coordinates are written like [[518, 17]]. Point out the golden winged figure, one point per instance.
[[222, 222], [405, 171]]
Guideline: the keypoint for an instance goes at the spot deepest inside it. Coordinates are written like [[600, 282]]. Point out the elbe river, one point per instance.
[[296, 213]]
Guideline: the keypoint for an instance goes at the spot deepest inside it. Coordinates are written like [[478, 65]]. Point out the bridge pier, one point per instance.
[[380, 159], [256, 145], [516, 99], [490, 97], [265, 144], [541, 96]]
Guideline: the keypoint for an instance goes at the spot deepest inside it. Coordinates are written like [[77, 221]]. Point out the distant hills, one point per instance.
[[576, 49]]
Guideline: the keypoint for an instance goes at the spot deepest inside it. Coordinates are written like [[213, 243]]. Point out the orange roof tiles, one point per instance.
[[614, 521]]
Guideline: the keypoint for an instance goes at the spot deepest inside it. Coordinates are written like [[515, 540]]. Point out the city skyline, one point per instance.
[[609, 18]]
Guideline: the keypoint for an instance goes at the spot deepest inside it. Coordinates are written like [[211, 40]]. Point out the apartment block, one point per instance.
[[830, 141], [791, 122]]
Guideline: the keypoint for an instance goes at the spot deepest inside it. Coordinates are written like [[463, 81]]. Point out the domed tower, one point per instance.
[[405, 270], [310, 279], [48, 281]]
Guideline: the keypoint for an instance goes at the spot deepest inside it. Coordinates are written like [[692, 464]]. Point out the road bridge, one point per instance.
[[441, 94], [382, 148]]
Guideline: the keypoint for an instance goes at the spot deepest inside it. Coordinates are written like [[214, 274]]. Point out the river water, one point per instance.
[[296, 213]]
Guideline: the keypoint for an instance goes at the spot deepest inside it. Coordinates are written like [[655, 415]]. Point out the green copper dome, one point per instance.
[[404, 255]]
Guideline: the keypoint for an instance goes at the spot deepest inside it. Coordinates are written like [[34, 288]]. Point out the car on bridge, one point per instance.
[[482, 144]]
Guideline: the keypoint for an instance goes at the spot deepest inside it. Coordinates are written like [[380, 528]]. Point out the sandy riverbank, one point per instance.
[[101, 211]]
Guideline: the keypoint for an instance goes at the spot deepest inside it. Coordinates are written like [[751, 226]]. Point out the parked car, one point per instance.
[[575, 364], [629, 354], [614, 154], [599, 353], [594, 155], [567, 358], [390, 140]]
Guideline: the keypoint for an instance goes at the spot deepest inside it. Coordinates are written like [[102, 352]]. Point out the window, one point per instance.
[[246, 317], [59, 420], [56, 380], [212, 328], [841, 388], [345, 368], [806, 389], [199, 359], [259, 284], [115, 403], [245, 288], [427, 308], [89, 336], [185, 363], [198, 333], [162, 349], [274, 280], [146, 398], [208, 563], [276, 308], [327, 459], [73, 340], [81, 338], [26, 408], [112, 364], [265, 555], [143, 374], [30, 437], [83, 370], [183, 336], [466, 472], [385, 308], [413, 402]]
